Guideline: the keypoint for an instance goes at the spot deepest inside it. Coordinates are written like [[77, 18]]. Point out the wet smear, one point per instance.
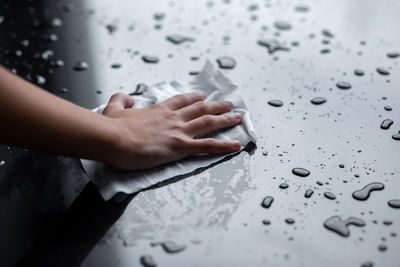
[[267, 202], [308, 193], [140, 89], [81, 66], [318, 100], [393, 55], [385, 125], [301, 172], [150, 59], [178, 39], [273, 45], [363, 194], [329, 195], [226, 62], [170, 246], [283, 186], [275, 103], [382, 71], [327, 33], [396, 137], [359, 72], [394, 203], [147, 261], [343, 85], [282, 25], [289, 220], [339, 226]]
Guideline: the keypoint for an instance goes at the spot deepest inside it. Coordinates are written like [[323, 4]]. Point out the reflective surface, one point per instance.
[[217, 214]]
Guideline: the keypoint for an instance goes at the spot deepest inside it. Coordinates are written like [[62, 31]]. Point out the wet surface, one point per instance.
[[277, 49]]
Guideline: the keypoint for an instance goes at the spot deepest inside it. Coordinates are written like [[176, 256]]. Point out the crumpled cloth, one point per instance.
[[210, 82]]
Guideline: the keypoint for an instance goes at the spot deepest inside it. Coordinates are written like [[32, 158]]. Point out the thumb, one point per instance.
[[118, 102]]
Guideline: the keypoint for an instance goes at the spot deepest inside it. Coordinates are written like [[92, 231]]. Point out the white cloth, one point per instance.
[[210, 82]]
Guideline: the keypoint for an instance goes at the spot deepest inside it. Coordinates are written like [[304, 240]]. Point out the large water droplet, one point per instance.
[[318, 100], [393, 55], [329, 195], [308, 193], [301, 172], [394, 203], [363, 194], [273, 45], [275, 103], [386, 124], [339, 226], [226, 62], [283, 186], [343, 85], [382, 71], [267, 202], [396, 137]]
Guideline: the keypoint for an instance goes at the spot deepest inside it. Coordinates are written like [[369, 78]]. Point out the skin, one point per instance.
[[124, 137]]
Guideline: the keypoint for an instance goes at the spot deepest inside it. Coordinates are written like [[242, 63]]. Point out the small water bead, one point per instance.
[[319, 183], [359, 72], [40, 80], [394, 203], [266, 222], [339, 226], [363, 194], [387, 222], [289, 220], [318, 100], [170, 246], [63, 90], [140, 89], [147, 261], [308, 193], [396, 137], [302, 8], [267, 202], [80, 66], [367, 264], [226, 62], [393, 55], [282, 25], [179, 39], [116, 65], [159, 16], [385, 125], [283, 186], [329, 195], [382, 247], [150, 59], [275, 103], [343, 85], [2, 163], [273, 45], [341, 165], [301, 172], [388, 108], [327, 33], [382, 71]]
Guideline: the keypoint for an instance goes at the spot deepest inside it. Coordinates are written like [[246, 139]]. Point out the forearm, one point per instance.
[[33, 118]]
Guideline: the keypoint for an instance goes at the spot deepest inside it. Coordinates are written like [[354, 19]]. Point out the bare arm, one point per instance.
[[126, 138]]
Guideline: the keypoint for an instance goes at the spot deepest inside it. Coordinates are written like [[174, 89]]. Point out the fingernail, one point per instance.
[[237, 116], [237, 144], [229, 103]]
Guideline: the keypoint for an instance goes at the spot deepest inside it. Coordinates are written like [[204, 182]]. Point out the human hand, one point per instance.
[[165, 132]]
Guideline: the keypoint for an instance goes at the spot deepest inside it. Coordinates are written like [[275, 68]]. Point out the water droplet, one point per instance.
[[283, 186], [63, 90], [226, 62], [179, 39], [387, 222], [308, 193], [386, 124], [393, 55], [47, 54], [318, 100], [367, 264], [267, 202], [388, 108], [341, 165], [382, 71], [339, 226], [2, 163], [289, 220], [282, 25], [394, 203], [159, 16], [301, 172], [275, 103], [382, 247], [343, 85], [111, 28], [327, 33], [150, 59], [363, 194], [266, 222], [302, 8], [329, 195], [147, 261], [40, 79], [273, 45], [359, 72], [140, 89], [396, 137], [116, 65], [81, 66], [170, 246]]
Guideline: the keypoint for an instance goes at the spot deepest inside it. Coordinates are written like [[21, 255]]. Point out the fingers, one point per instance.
[[213, 146], [118, 102], [181, 101], [209, 123], [201, 108]]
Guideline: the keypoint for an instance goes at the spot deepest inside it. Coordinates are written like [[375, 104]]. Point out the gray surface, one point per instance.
[[217, 213]]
